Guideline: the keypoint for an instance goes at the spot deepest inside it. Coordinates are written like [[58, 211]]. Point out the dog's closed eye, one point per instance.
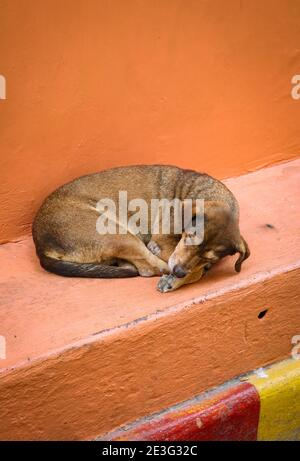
[[218, 253], [229, 251]]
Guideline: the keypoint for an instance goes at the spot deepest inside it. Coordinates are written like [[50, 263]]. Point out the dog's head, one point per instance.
[[221, 238]]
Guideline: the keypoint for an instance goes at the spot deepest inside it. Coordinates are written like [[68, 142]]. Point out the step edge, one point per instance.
[[257, 278]]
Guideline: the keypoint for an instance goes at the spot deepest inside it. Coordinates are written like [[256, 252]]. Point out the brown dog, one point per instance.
[[68, 242]]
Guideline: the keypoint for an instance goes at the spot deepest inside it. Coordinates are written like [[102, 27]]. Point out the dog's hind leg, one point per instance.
[[127, 265]]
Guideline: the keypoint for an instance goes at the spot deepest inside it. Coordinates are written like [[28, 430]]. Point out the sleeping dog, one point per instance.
[[68, 241]]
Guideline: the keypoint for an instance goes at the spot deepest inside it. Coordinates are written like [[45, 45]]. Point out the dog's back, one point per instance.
[[66, 221]]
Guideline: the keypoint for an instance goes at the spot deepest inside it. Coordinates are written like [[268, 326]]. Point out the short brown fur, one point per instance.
[[67, 242]]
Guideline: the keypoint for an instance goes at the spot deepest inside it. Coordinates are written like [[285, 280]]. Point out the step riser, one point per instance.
[[78, 395]]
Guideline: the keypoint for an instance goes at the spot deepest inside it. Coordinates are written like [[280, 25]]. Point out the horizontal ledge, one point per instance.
[[97, 336]]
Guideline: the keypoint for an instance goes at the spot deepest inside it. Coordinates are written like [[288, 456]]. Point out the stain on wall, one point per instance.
[[92, 84]]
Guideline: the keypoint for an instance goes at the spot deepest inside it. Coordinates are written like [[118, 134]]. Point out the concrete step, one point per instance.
[[86, 356]]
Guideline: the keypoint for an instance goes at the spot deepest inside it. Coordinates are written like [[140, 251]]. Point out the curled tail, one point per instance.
[[90, 270]]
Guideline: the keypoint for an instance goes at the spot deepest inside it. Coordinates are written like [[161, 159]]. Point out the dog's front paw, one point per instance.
[[167, 282], [154, 248]]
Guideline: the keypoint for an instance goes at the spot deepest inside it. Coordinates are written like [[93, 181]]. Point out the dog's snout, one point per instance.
[[179, 271]]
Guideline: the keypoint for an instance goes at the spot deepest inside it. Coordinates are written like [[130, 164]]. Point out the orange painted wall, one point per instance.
[[97, 83]]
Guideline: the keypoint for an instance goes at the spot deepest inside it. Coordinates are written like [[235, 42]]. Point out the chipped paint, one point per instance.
[[279, 417], [267, 407], [230, 414], [261, 373]]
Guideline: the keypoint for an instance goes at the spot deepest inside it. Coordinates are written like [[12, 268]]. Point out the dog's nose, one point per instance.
[[179, 271]]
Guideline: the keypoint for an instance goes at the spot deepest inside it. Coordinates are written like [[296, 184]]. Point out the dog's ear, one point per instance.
[[217, 216], [213, 210], [243, 249], [214, 214]]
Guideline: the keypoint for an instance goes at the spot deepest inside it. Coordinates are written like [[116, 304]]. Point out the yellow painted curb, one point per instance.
[[279, 393]]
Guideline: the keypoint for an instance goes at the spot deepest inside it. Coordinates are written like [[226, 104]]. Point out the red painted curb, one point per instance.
[[231, 415]]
